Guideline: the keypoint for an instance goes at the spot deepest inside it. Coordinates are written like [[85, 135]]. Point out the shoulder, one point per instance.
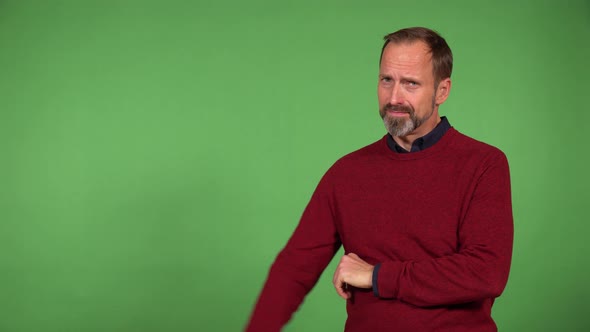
[[363, 155], [358, 160], [469, 150]]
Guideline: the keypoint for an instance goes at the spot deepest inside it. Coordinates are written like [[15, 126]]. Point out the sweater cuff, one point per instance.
[[375, 286], [386, 283]]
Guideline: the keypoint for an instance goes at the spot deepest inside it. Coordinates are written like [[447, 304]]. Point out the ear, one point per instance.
[[443, 90]]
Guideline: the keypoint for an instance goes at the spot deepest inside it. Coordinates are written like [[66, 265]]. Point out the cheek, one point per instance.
[[421, 101], [382, 96]]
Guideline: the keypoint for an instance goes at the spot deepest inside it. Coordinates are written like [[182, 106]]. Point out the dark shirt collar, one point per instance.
[[425, 141]]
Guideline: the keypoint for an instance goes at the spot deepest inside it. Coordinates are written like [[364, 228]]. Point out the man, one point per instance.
[[424, 214]]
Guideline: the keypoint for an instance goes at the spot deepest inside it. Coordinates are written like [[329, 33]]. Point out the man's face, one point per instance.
[[407, 96]]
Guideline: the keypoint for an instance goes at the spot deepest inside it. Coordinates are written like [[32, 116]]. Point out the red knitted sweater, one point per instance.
[[438, 221]]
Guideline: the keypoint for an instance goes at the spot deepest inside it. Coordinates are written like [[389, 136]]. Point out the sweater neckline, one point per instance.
[[436, 148]]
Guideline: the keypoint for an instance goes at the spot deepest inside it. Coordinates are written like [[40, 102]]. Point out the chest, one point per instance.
[[401, 214]]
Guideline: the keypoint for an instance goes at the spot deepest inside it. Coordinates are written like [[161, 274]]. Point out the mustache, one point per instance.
[[397, 108]]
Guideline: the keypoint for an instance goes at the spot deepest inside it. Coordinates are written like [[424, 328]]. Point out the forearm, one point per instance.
[[298, 266], [292, 276], [280, 297], [478, 269], [470, 275]]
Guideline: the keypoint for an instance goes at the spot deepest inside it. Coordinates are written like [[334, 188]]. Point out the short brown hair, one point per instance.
[[442, 57]]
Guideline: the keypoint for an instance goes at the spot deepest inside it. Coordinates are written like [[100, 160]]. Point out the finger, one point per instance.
[[338, 270], [346, 288], [340, 288], [336, 275], [342, 292], [338, 283]]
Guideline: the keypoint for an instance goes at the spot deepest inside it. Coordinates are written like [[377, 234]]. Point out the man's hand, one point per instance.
[[353, 271]]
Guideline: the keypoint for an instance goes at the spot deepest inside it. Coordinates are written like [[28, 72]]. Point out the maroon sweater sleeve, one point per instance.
[[299, 265], [479, 269]]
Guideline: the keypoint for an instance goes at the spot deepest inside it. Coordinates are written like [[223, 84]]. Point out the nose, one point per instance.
[[396, 95]]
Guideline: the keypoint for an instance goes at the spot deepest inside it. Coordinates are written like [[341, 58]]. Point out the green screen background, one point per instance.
[[156, 156]]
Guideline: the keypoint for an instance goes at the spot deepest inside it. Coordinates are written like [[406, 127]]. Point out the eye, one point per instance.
[[412, 83], [386, 79]]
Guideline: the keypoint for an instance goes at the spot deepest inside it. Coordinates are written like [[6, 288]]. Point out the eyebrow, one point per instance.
[[403, 78]]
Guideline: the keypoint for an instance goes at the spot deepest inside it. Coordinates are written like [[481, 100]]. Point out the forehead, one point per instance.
[[414, 58]]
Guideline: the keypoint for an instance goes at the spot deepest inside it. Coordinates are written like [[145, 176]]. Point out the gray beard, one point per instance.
[[402, 126], [397, 126]]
